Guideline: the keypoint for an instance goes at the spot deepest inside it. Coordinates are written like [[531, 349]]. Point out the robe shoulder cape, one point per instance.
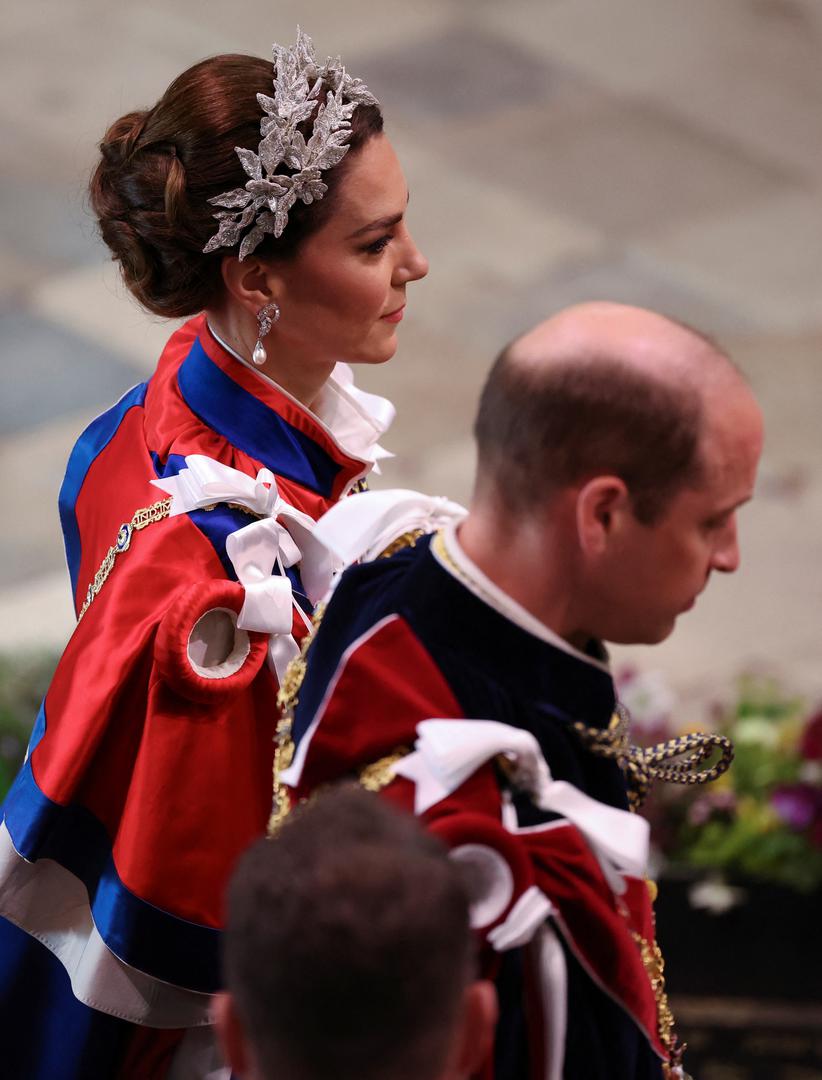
[[141, 788], [409, 674]]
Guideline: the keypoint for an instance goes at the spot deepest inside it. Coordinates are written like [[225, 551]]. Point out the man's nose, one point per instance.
[[726, 555]]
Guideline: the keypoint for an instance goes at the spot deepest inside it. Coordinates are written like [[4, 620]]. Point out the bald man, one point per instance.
[[465, 678]]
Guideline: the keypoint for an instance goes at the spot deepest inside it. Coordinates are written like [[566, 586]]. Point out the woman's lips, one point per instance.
[[394, 316]]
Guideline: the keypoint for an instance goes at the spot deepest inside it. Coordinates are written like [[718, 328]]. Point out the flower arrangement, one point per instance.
[[763, 818]]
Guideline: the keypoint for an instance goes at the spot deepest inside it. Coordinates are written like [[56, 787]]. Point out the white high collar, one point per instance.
[[470, 575], [354, 419]]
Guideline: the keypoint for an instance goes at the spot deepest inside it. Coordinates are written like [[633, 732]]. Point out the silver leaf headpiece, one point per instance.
[[268, 195]]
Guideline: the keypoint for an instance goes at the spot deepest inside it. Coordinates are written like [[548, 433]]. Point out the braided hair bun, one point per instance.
[[159, 167]]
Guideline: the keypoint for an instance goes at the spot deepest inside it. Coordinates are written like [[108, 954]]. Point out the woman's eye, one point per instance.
[[378, 245]]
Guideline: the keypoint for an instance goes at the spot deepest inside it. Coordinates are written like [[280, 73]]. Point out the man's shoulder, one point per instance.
[[369, 592], [370, 676]]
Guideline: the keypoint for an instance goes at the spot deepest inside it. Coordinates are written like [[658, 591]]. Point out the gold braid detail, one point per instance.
[[404, 540], [287, 699], [654, 966], [379, 774], [147, 516], [373, 777], [643, 765]]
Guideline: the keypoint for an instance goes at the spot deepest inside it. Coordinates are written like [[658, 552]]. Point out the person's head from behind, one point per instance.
[[348, 953], [631, 440], [343, 258]]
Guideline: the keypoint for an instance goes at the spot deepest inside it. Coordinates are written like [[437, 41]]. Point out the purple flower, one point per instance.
[[699, 812], [714, 803], [798, 805]]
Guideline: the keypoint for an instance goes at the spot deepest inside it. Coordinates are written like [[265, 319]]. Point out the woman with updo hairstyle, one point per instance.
[[269, 213]]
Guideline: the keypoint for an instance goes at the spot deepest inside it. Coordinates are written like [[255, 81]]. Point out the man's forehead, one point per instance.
[[732, 428], [728, 472]]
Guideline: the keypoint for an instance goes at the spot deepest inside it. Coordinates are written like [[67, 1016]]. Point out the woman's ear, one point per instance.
[[252, 282], [601, 506]]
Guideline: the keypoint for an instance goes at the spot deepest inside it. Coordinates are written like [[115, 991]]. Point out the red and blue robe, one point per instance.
[[407, 639], [120, 831]]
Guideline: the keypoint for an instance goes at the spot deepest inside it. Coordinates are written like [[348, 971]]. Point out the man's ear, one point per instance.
[[230, 1034], [601, 505], [475, 1038], [252, 283]]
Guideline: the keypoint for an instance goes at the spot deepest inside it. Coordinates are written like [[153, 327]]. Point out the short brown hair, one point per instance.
[[348, 947], [159, 167], [543, 427]]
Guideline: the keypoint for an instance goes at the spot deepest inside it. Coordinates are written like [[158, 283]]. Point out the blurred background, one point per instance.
[[658, 152]]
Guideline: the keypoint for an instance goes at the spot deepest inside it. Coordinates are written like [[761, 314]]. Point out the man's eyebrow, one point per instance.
[[733, 507], [380, 223]]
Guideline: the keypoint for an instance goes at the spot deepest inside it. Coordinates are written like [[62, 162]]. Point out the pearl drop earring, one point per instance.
[[266, 317]]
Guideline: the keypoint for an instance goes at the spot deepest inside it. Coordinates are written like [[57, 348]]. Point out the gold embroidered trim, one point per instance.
[[142, 518], [674, 1072], [283, 756], [406, 539], [147, 516], [654, 965], [287, 699], [379, 774], [238, 506]]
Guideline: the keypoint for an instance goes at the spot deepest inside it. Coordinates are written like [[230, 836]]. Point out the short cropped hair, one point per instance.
[[348, 945], [541, 428]]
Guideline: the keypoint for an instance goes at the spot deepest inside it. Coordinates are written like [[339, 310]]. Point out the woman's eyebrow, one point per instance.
[[380, 223]]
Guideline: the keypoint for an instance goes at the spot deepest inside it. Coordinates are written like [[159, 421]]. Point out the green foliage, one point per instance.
[[756, 848], [763, 818], [23, 683]]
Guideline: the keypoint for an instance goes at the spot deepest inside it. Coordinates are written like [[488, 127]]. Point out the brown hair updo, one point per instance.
[[158, 169]]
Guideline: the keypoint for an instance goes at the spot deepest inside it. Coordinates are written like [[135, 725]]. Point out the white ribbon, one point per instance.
[[447, 752], [360, 528], [281, 539], [204, 482], [522, 921]]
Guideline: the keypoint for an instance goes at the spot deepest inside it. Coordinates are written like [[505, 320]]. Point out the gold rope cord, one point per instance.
[[142, 518], [643, 765]]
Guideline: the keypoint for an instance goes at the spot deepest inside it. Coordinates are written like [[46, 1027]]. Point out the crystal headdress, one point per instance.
[[268, 195]]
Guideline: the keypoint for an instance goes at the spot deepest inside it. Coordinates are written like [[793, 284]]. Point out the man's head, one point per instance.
[[348, 952], [638, 439]]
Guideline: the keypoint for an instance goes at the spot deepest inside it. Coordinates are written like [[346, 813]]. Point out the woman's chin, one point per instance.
[[374, 357]]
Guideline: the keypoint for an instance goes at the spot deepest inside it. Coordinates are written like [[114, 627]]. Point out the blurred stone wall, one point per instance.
[[653, 151]]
